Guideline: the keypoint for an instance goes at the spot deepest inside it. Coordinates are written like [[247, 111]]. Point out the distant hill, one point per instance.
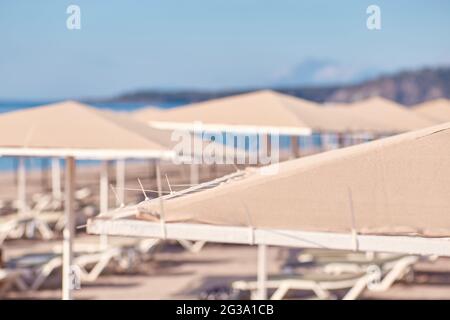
[[408, 88]]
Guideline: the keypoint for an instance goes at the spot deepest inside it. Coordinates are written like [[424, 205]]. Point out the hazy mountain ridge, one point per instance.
[[407, 87]]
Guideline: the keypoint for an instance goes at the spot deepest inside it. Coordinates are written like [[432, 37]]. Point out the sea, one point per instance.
[[10, 163]]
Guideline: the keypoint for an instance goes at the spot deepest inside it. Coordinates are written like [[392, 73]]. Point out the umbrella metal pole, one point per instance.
[[44, 174], [322, 146], [22, 185], [194, 174], [160, 194], [269, 145], [120, 181], [340, 140], [295, 147], [104, 197], [56, 179], [151, 169], [69, 230], [262, 272], [264, 148]]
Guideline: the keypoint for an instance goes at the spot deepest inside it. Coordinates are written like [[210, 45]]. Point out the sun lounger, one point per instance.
[[43, 265], [319, 284], [90, 261], [322, 283], [24, 225], [325, 255], [47, 213], [7, 226], [335, 261], [38, 220], [393, 271], [46, 202], [6, 207], [192, 246], [43, 218], [10, 279]]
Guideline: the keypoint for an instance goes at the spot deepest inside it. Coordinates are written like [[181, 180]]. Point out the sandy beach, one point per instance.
[[178, 274]]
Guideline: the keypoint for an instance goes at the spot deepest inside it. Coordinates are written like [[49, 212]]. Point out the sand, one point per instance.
[[178, 274]]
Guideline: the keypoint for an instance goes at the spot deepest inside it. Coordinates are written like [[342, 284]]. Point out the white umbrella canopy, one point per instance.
[[436, 110], [256, 112], [389, 195], [268, 111], [394, 186], [343, 120], [384, 115], [74, 129]]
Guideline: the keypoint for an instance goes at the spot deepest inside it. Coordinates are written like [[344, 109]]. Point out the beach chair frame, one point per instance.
[[393, 271]]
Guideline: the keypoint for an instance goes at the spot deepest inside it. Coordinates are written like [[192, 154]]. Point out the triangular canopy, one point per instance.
[[386, 114], [272, 112], [74, 129], [343, 120], [394, 186], [436, 110], [256, 112]]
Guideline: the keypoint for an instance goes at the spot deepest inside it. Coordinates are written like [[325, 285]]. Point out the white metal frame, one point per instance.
[[219, 127], [104, 196], [56, 179], [88, 154], [22, 185], [274, 237], [69, 229], [120, 181], [356, 283], [265, 237]]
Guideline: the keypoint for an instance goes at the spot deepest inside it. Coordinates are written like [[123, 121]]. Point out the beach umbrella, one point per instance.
[[435, 110], [256, 112], [389, 195], [72, 130], [373, 118], [263, 112], [397, 185], [151, 113], [268, 112], [384, 116]]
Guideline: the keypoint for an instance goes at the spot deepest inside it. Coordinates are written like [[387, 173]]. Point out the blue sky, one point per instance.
[[129, 45]]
